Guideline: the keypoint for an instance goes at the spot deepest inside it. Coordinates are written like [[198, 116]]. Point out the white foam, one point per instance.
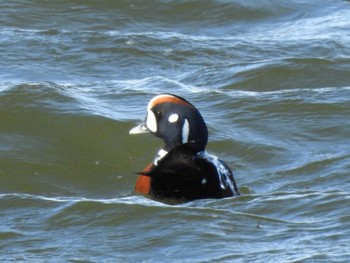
[[223, 173]]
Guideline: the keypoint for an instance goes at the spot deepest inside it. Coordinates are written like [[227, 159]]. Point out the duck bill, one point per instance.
[[142, 128]]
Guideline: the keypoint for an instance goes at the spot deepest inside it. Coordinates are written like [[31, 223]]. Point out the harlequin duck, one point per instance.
[[183, 170]]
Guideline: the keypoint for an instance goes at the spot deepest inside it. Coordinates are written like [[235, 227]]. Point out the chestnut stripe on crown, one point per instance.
[[166, 98]]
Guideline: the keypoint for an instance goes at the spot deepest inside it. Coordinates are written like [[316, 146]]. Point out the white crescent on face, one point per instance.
[[151, 121]]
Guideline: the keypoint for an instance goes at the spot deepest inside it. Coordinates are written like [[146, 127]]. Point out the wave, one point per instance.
[[111, 89], [128, 200], [245, 206]]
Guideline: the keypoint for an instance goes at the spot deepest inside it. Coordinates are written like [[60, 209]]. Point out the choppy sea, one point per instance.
[[272, 80]]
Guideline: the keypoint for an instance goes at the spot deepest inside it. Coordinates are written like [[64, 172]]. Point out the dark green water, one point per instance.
[[272, 80]]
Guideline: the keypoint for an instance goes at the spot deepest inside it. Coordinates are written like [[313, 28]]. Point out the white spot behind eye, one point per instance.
[[173, 118], [151, 121], [185, 131]]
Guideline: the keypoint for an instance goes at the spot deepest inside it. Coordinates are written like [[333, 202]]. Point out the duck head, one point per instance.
[[176, 121]]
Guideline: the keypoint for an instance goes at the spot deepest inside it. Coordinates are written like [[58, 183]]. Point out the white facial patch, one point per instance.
[[151, 121], [173, 118], [185, 131]]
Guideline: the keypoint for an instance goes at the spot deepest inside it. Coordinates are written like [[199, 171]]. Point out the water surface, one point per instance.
[[271, 79]]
